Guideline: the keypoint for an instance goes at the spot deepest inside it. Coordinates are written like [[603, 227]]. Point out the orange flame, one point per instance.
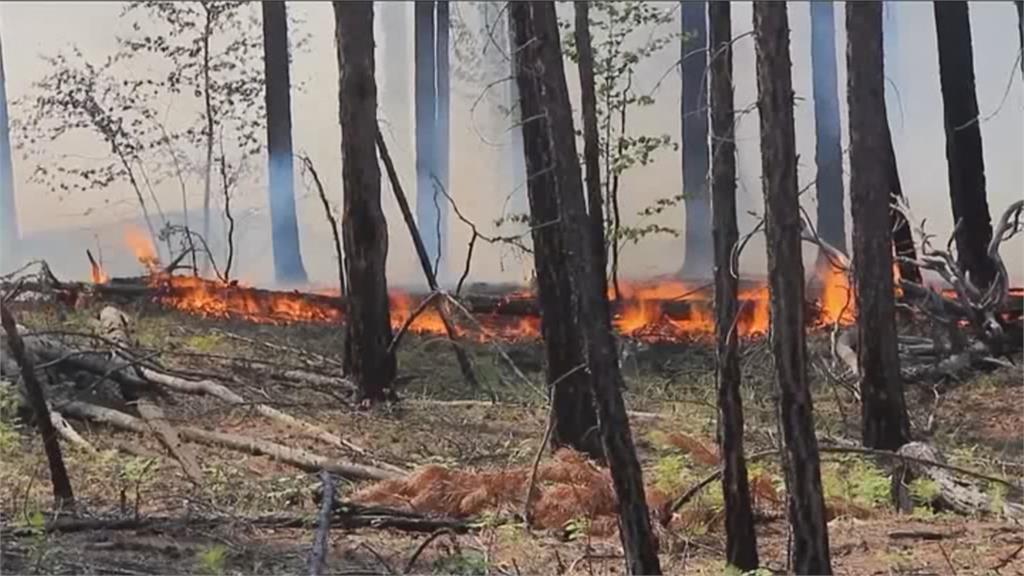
[[837, 303], [142, 246]]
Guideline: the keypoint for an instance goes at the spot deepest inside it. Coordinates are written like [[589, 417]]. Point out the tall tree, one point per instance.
[[8, 208], [442, 120], [697, 259], [363, 225], [430, 176], [575, 419], [741, 542], [786, 285], [591, 140], [965, 163], [828, 150], [884, 414], [550, 149], [288, 266], [1020, 30]]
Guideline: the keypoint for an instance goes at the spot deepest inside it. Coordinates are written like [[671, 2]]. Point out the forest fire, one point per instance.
[[662, 310]]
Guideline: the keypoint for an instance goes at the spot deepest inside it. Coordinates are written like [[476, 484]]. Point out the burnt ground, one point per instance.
[[975, 420]]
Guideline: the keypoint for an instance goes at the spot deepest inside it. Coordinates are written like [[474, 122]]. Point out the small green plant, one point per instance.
[[577, 528], [35, 524], [856, 481], [471, 563], [923, 491], [997, 493], [671, 473], [212, 560], [203, 342]]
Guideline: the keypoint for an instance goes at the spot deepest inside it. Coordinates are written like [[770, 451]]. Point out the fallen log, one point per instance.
[[297, 457], [114, 326], [343, 515], [957, 494]]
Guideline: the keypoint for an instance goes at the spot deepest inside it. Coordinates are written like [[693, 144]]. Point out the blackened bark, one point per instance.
[[575, 415], [284, 227], [786, 284], [428, 197], [363, 224], [883, 412], [550, 146], [591, 142], [740, 540], [828, 150], [62, 493], [964, 159], [902, 236], [1020, 30], [697, 258]]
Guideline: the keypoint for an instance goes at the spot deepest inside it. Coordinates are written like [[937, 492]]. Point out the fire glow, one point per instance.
[[665, 310]]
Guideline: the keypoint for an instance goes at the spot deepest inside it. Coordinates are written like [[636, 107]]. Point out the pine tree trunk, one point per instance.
[[697, 258], [9, 235], [966, 165], [591, 142], [442, 120], [550, 146], [828, 150], [786, 284], [575, 417], [740, 540], [428, 196], [288, 266], [884, 414], [363, 224], [902, 236]]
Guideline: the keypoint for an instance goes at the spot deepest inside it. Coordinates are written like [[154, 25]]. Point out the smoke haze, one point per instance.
[[483, 154]]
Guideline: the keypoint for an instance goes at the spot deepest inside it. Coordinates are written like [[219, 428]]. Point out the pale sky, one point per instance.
[[31, 29]]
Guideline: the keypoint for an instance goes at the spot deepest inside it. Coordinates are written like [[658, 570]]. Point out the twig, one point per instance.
[[396, 187], [1005, 561], [330, 220], [494, 344], [408, 322], [530, 488], [423, 546], [318, 555]]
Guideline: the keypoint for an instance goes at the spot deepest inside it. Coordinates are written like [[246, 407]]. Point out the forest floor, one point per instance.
[[976, 422]]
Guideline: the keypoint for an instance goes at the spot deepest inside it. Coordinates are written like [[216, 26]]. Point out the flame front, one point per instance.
[[142, 246], [837, 303]]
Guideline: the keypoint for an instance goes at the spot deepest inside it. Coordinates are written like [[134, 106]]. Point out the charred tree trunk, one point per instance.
[[884, 414], [8, 207], [828, 150], [363, 225], [1020, 30], [697, 258], [575, 416], [442, 120], [284, 227], [740, 542], [591, 142], [550, 147], [902, 236], [963, 142], [786, 284], [62, 493]]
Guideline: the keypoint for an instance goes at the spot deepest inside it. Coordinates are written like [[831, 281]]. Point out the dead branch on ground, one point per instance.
[[318, 554], [62, 492]]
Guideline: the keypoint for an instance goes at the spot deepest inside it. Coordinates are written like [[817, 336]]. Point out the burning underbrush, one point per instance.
[[656, 310]]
